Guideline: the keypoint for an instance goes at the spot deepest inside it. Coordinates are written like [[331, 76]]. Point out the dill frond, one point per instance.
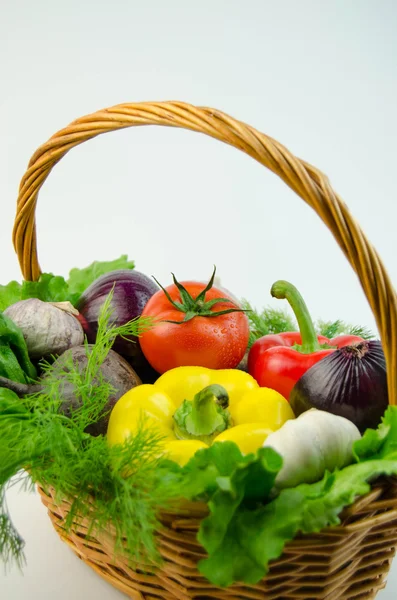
[[331, 329], [269, 320], [273, 320], [114, 487], [11, 543]]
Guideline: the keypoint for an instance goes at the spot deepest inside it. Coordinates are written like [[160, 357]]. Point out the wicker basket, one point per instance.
[[348, 561]]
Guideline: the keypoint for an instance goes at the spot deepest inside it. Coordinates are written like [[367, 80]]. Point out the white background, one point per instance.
[[319, 77]]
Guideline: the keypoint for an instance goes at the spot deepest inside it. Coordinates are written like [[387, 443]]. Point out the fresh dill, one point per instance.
[[331, 329], [273, 320], [269, 320], [56, 452]]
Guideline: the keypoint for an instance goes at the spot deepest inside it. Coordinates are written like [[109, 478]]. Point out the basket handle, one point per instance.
[[309, 183]]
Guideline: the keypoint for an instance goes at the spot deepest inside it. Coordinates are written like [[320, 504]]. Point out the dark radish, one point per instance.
[[114, 370], [351, 382]]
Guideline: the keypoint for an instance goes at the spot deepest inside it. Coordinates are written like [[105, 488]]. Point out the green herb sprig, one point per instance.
[[274, 320], [57, 453], [331, 329], [269, 320]]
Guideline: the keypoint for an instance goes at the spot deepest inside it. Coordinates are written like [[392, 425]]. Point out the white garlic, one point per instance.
[[313, 443], [47, 329]]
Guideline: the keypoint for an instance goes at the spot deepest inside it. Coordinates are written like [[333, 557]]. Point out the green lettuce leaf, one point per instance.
[[80, 279], [248, 483], [260, 535], [53, 288], [382, 442], [15, 363], [49, 288], [242, 537], [9, 294], [10, 403], [223, 469], [232, 484]]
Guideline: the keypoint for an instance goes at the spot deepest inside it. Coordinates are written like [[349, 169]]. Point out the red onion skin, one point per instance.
[[351, 382], [131, 292]]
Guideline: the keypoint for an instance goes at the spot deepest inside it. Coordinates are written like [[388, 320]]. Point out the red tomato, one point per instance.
[[217, 342]]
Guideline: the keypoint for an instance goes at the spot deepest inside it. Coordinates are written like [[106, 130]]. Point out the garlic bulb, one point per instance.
[[48, 329], [312, 444]]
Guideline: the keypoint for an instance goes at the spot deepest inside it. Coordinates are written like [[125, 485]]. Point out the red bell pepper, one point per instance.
[[277, 361]]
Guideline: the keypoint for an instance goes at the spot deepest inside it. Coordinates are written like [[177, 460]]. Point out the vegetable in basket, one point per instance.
[[48, 328], [15, 363], [82, 370], [54, 288], [186, 382], [351, 382], [279, 360], [195, 324], [114, 371], [312, 444], [206, 418], [131, 291]]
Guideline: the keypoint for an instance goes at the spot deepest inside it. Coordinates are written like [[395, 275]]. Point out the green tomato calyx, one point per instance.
[[199, 306]]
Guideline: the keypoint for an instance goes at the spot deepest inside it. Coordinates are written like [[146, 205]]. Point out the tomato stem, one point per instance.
[[199, 306]]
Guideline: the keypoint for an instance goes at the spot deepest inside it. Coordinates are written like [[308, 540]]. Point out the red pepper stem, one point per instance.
[[286, 291]]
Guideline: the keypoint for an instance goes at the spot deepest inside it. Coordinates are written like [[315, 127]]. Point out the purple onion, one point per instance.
[[351, 382], [131, 292]]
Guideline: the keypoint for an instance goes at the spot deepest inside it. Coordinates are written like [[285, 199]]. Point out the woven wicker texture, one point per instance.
[[346, 562]]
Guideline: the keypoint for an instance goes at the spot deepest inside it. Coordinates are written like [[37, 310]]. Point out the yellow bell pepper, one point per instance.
[[248, 437], [191, 407], [262, 405], [181, 451], [142, 401], [259, 413], [184, 383]]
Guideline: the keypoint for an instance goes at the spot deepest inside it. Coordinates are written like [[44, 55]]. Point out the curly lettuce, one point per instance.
[[53, 288], [246, 529]]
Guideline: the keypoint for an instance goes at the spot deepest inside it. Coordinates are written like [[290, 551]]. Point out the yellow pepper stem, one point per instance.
[[205, 417]]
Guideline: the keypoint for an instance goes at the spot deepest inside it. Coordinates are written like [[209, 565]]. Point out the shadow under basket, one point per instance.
[[349, 561]]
